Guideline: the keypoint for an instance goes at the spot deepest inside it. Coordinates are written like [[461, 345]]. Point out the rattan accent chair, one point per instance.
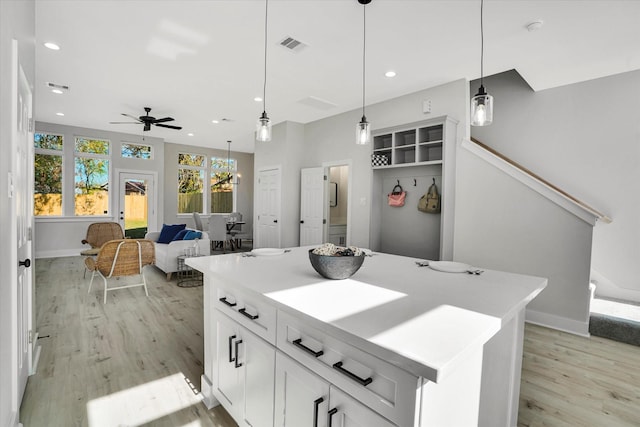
[[123, 257], [100, 233]]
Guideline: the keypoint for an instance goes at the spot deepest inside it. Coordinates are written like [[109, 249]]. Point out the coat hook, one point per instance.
[[434, 181], [398, 181], [415, 183]]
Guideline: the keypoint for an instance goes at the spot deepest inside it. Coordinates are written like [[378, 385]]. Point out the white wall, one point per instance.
[[62, 236], [332, 139], [585, 139], [17, 21], [502, 224]]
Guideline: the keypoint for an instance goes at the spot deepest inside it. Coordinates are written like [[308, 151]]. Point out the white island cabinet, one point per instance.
[[394, 345]]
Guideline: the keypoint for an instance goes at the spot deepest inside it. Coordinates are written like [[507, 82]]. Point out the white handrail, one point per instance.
[[535, 182]]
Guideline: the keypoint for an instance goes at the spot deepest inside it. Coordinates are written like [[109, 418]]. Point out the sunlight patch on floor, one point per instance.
[[144, 403]]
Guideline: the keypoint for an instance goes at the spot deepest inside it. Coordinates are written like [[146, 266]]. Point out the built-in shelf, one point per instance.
[[411, 145]]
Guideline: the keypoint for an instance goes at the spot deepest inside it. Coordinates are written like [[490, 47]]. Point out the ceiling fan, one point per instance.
[[148, 120]]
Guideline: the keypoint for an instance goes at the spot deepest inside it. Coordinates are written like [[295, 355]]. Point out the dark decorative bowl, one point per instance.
[[336, 267]]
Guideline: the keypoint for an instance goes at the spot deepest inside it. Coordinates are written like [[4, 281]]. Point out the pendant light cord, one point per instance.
[[364, 50], [264, 87], [481, 43]]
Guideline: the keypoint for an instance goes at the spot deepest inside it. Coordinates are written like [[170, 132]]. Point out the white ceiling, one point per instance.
[[199, 60]]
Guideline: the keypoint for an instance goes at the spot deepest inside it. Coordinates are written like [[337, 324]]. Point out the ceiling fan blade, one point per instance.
[[132, 117], [124, 123], [168, 126], [165, 119]]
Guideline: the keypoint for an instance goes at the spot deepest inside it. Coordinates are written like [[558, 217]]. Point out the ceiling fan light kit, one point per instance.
[[363, 130], [263, 126], [482, 102]]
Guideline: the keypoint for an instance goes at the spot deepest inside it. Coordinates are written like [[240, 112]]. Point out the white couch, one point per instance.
[[167, 253]]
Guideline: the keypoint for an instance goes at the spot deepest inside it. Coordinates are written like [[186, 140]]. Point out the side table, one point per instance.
[[188, 277]]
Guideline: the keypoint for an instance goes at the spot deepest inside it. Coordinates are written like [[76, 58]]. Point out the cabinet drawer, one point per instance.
[[256, 315], [385, 388]]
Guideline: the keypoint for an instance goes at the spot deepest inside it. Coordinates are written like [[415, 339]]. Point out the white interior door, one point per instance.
[[312, 206], [22, 180], [268, 208], [137, 210]]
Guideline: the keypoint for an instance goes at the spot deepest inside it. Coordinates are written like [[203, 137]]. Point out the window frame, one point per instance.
[[50, 152], [97, 156], [151, 150]]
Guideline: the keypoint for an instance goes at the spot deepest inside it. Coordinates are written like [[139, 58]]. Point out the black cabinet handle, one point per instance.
[[316, 403], [224, 301], [237, 356], [298, 343], [250, 316], [331, 414], [231, 358], [362, 381]]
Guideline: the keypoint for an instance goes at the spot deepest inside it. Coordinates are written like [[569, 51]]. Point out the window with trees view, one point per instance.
[[135, 151], [190, 182], [47, 194], [91, 180], [223, 173]]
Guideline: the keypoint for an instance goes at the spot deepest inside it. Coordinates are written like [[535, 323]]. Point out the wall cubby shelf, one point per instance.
[[409, 145]]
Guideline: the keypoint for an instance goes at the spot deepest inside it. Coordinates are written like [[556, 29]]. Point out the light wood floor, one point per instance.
[[135, 358]]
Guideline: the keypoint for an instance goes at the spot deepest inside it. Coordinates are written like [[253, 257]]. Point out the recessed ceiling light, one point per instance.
[[56, 91], [189, 134], [60, 114], [257, 99], [390, 74], [52, 46], [215, 121]]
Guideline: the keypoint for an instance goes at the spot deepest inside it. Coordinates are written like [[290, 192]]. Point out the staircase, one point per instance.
[[615, 319]]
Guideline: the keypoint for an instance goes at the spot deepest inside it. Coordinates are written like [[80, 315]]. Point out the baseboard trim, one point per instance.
[[59, 253], [556, 322]]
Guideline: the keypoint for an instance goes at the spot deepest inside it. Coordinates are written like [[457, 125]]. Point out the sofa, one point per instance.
[[167, 253]]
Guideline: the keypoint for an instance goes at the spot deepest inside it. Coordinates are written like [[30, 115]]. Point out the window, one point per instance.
[[47, 197], [190, 182], [223, 173], [91, 176], [135, 151]]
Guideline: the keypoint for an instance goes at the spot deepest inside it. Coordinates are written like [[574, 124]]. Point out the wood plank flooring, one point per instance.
[[136, 361], [134, 349]]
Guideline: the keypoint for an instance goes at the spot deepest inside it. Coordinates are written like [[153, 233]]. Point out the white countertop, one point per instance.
[[419, 319]]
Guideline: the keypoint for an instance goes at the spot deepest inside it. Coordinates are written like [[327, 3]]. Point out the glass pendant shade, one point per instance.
[[481, 108], [263, 128], [363, 132]]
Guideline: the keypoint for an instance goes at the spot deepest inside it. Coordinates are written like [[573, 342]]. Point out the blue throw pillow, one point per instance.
[[192, 235], [180, 235], [169, 231]]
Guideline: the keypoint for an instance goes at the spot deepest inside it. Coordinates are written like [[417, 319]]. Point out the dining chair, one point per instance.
[[119, 258], [99, 233], [218, 232], [198, 221]]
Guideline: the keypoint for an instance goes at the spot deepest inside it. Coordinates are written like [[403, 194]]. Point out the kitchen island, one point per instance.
[[394, 345]]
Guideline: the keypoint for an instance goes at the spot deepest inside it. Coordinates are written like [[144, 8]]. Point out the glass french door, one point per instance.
[[137, 212]]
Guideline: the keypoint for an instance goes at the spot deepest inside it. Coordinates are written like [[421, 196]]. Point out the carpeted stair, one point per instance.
[[615, 328]]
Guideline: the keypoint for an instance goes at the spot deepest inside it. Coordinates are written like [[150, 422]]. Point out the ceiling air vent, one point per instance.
[[292, 44]]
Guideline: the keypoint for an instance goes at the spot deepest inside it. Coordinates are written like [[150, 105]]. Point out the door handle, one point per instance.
[[26, 263], [331, 414], [238, 357], [231, 358], [316, 403], [275, 220], [301, 221]]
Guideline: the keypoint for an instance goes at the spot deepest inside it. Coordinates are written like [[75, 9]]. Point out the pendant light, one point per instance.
[[228, 180], [263, 126], [482, 103], [363, 130]]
